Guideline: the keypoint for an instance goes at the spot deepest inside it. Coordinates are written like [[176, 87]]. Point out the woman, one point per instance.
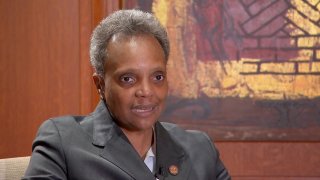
[[123, 139]]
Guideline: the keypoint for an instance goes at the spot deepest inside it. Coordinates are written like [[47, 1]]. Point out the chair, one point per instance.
[[13, 168]]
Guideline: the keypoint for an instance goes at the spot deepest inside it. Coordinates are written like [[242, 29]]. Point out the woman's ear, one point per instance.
[[100, 85]]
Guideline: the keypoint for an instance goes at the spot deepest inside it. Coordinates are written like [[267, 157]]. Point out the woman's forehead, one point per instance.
[[136, 52]]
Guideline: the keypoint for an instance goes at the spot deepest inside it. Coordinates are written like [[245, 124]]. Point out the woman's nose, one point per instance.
[[144, 89]]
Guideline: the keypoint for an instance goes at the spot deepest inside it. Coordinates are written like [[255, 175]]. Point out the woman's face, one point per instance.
[[135, 81]]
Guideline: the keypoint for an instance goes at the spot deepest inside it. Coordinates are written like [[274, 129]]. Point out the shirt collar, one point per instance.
[[150, 159]]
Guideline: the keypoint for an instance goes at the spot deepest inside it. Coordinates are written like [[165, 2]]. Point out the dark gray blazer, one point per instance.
[[94, 148]]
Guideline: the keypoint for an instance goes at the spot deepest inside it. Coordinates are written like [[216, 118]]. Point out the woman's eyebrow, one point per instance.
[[126, 71], [137, 70]]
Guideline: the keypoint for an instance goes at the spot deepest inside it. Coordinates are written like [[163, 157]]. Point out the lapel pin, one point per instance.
[[174, 170]]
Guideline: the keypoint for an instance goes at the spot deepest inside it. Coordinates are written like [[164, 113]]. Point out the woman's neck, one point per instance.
[[141, 140]]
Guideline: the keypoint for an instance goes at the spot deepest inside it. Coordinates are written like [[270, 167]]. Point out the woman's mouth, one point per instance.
[[143, 110]]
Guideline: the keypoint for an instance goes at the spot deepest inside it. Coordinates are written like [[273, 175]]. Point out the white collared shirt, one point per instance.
[[150, 160]]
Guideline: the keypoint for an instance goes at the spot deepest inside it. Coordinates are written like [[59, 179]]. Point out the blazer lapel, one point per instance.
[[122, 154], [172, 163], [117, 149]]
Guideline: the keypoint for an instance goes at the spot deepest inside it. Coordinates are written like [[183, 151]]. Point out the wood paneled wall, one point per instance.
[[39, 71], [45, 72], [271, 160], [44, 65]]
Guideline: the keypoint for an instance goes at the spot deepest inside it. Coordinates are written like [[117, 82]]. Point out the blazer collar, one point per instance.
[[169, 154], [115, 145], [103, 125]]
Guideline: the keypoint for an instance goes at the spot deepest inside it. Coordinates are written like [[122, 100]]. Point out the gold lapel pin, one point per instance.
[[174, 170]]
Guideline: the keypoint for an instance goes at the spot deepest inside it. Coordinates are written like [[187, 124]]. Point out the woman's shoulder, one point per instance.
[[64, 125], [188, 138]]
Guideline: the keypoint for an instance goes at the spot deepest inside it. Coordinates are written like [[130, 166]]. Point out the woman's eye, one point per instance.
[[159, 77], [127, 79]]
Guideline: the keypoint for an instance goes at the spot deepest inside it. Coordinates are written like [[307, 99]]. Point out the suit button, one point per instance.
[[174, 170]]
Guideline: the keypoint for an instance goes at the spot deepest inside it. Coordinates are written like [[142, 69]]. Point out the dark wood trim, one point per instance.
[[85, 29]]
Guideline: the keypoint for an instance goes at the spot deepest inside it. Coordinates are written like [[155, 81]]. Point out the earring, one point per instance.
[[101, 94]]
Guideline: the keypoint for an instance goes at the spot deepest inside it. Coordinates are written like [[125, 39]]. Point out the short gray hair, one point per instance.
[[128, 23]]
